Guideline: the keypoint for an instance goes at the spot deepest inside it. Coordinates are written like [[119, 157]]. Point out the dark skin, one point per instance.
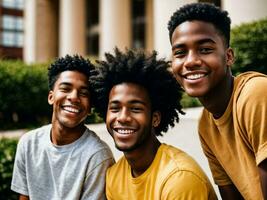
[[263, 176], [141, 160], [199, 48], [130, 109], [23, 197]]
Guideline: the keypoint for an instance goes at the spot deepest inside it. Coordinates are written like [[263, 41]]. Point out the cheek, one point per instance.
[[176, 66]]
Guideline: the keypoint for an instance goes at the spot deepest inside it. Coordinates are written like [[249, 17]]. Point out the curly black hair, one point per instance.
[[68, 63], [143, 69], [204, 12]]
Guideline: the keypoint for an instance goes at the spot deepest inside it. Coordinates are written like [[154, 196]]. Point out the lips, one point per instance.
[[125, 131], [194, 76], [71, 109]]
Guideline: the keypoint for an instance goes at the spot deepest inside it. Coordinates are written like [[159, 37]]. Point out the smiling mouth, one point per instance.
[[70, 109], [124, 131], [194, 76]]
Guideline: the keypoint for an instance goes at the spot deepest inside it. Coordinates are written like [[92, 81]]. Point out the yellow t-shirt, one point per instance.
[[172, 175], [237, 142]]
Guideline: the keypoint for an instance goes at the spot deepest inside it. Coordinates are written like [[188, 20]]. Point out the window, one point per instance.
[[12, 31], [15, 4], [138, 23], [215, 2], [12, 22], [92, 27]]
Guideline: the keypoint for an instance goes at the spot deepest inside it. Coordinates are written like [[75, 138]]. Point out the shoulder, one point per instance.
[[35, 136], [118, 168], [250, 85], [93, 145], [94, 141], [186, 178], [250, 93], [183, 163]]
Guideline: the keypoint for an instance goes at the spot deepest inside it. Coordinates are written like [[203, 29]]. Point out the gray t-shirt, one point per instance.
[[44, 171]]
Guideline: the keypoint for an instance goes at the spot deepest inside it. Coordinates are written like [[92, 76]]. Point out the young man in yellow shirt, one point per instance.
[[233, 126], [140, 99]]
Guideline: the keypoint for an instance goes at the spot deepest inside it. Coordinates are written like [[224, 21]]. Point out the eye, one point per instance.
[[206, 50], [113, 109], [136, 109], [84, 92], [179, 52], [64, 89]]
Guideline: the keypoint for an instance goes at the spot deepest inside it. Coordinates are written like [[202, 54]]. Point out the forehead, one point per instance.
[[195, 30], [73, 77], [129, 92]]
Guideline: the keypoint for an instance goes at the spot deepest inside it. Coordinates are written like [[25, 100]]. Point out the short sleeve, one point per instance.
[[94, 185], [19, 177], [183, 185], [252, 116], [219, 175]]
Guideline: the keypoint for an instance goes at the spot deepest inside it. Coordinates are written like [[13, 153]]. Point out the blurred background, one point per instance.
[[34, 32], [40, 30]]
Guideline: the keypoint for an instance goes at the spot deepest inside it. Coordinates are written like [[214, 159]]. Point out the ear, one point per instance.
[[156, 118], [230, 57], [50, 97]]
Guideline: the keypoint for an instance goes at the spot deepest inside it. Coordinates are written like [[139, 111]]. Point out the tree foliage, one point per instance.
[[249, 42]]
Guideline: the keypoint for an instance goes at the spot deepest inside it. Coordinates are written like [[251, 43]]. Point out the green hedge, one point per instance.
[[249, 42], [23, 94], [7, 157]]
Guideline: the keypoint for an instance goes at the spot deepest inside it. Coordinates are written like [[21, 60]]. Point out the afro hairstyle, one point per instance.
[[142, 69]]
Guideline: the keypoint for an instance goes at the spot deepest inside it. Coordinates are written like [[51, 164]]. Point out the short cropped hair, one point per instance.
[[145, 70], [68, 63], [204, 12]]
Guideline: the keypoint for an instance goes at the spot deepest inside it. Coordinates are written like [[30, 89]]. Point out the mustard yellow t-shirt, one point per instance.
[[236, 143], [172, 175]]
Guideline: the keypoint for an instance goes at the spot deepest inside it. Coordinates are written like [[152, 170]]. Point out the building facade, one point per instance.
[[55, 28], [11, 30]]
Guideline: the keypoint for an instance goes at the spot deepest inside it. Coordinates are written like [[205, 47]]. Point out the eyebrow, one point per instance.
[[69, 84], [202, 41], [130, 102]]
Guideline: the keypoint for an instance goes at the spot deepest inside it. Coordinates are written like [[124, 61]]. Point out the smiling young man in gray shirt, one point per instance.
[[63, 160]]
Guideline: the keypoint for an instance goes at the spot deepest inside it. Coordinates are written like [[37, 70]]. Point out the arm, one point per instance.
[[229, 192], [255, 109], [23, 197], [263, 176], [94, 184]]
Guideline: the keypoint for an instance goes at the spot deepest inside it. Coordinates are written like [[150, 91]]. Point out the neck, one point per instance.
[[141, 158], [61, 135], [216, 102]]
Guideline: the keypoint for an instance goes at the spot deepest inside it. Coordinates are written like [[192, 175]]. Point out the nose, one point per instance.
[[74, 96], [123, 116], [192, 59]]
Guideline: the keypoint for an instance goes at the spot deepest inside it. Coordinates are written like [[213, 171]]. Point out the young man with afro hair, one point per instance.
[[233, 125], [63, 160], [140, 99]]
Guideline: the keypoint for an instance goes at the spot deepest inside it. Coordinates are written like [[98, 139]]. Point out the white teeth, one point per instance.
[[124, 131], [195, 76], [70, 109]]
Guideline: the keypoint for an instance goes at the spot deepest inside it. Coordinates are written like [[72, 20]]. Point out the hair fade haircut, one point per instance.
[[204, 12], [68, 63], [142, 69]]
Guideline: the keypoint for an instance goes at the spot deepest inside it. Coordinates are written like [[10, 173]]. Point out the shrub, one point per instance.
[[23, 94], [188, 101], [249, 42], [7, 157]]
